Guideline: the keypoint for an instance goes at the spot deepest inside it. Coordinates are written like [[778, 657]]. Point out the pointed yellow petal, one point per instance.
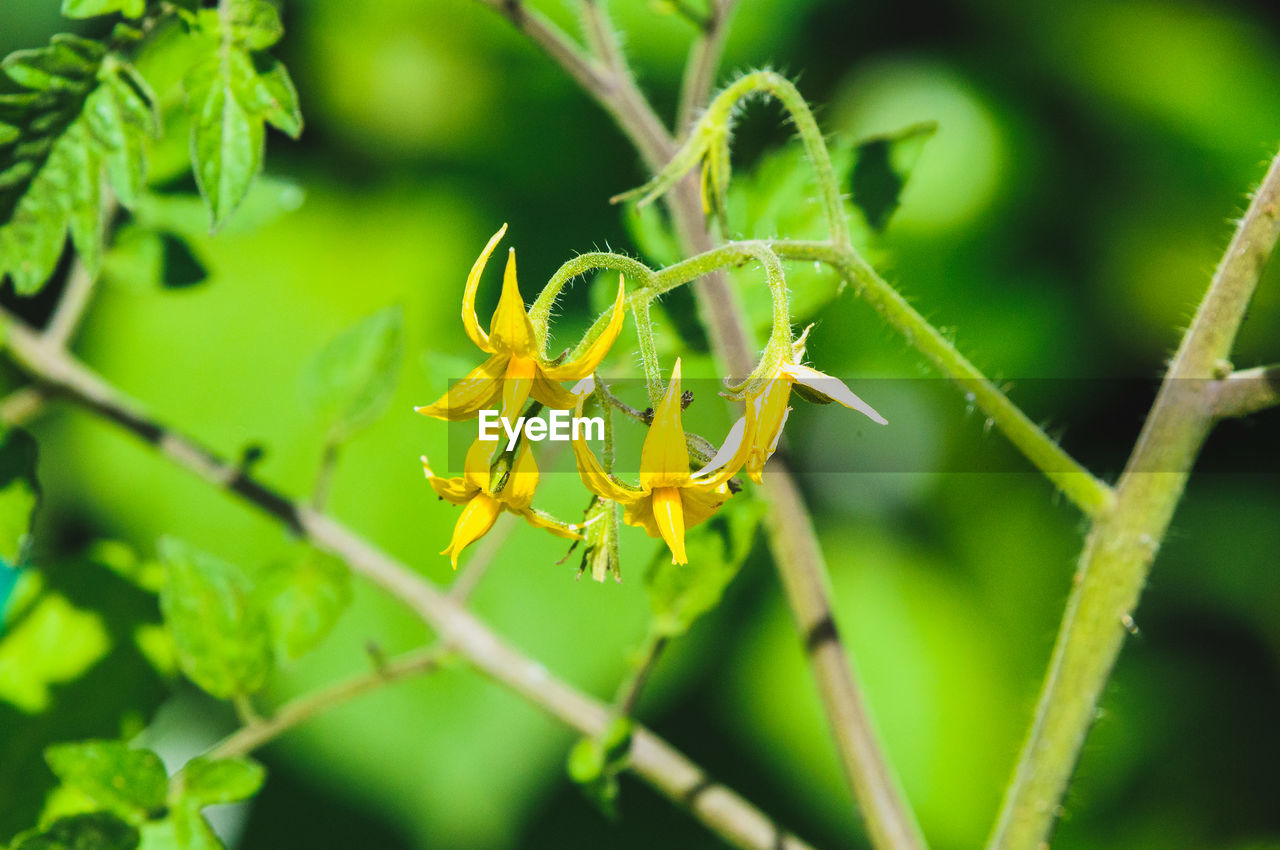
[[478, 390], [771, 414], [664, 459], [538, 519], [518, 492], [585, 364], [731, 456], [595, 478], [552, 394], [510, 329], [469, 320], [477, 518], [832, 388], [516, 385], [668, 513], [475, 467], [456, 490]]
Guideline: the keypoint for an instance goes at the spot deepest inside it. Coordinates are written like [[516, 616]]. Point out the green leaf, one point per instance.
[[227, 136], [303, 597], [68, 64], [191, 831], [131, 783], [143, 260], [253, 24], [221, 636], [47, 643], [351, 380], [586, 761], [881, 170], [93, 8], [19, 495], [680, 594], [97, 831], [122, 116], [275, 96], [212, 782]]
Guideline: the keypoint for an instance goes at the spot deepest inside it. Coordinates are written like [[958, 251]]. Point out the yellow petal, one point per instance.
[[477, 518], [771, 414], [456, 490], [518, 492], [552, 394], [595, 478], [668, 513], [538, 519], [732, 455], [664, 459], [516, 385], [832, 388], [510, 329], [585, 364], [478, 390], [469, 320], [475, 467], [701, 503]]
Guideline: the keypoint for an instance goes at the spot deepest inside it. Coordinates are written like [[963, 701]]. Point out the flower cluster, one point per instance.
[[670, 496]]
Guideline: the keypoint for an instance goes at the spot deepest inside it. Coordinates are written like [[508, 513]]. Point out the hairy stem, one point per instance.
[[704, 59], [1247, 391], [1123, 542], [659, 764]]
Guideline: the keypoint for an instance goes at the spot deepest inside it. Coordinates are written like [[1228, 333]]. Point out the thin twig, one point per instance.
[[1123, 542], [324, 474], [20, 406], [72, 305], [704, 59], [657, 762], [1247, 391], [633, 685]]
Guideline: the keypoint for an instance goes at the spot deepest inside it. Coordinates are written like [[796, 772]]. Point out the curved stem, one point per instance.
[[704, 59], [657, 762], [1123, 542]]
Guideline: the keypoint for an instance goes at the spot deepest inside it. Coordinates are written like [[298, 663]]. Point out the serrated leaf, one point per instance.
[[253, 24], [96, 831], [19, 494], [226, 137], [94, 8], [881, 170], [680, 594], [303, 597], [212, 782], [220, 634], [275, 95], [351, 380], [131, 783], [121, 113], [68, 64]]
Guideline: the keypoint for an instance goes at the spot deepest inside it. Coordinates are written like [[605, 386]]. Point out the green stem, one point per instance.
[[648, 352], [1123, 542]]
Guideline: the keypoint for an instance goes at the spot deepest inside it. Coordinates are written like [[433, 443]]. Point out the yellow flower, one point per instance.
[[481, 505], [669, 499], [770, 408], [517, 368]]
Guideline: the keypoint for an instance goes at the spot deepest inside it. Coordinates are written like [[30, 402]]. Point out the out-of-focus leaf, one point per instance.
[[594, 764], [651, 233], [881, 169], [19, 494], [276, 96], [212, 782], [143, 260], [131, 783], [191, 831], [351, 380], [221, 635], [226, 139], [47, 642], [96, 831], [303, 596], [122, 115], [254, 24], [681, 593], [93, 8]]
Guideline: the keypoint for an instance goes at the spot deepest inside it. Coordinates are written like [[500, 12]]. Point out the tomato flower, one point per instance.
[[482, 505], [516, 368], [669, 499], [770, 407]]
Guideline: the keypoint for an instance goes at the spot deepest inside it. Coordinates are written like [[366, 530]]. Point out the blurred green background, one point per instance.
[[1063, 221]]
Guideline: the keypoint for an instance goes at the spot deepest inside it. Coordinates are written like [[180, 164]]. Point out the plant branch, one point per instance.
[[654, 760], [1123, 542], [1247, 391], [704, 59], [72, 305], [633, 685]]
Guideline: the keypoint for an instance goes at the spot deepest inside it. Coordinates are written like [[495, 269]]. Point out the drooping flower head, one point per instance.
[[771, 409], [483, 500], [516, 368], [670, 498]]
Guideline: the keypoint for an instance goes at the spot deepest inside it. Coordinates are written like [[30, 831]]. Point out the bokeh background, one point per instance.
[[1063, 221]]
